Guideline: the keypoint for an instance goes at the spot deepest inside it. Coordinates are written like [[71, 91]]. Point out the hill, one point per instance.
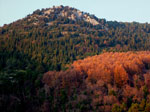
[[62, 59], [57, 36]]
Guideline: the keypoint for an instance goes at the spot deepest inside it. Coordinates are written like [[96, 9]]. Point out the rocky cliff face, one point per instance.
[[70, 13]]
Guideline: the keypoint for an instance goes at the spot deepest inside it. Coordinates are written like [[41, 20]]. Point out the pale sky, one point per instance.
[[119, 10]]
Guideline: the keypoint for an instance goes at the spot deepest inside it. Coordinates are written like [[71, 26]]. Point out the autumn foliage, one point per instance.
[[116, 67], [107, 82]]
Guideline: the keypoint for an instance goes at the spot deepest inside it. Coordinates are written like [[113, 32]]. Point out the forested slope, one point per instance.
[[54, 40], [117, 82], [57, 36]]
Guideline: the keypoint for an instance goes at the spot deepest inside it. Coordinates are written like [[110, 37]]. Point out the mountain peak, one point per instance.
[[68, 12]]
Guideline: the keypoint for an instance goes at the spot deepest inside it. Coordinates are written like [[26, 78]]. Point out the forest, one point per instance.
[[109, 82], [59, 44], [117, 82], [52, 63]]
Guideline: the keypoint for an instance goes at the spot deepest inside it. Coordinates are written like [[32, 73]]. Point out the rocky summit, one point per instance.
[[63, 11]]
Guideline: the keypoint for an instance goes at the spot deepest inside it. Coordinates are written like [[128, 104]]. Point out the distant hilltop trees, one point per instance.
[[55, 37]]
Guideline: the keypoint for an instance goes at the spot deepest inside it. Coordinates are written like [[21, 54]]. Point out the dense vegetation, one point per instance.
[[54, 41], [40, 43], [117, 82]]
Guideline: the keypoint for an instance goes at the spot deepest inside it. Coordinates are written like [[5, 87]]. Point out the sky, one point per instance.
[[111, 10]]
